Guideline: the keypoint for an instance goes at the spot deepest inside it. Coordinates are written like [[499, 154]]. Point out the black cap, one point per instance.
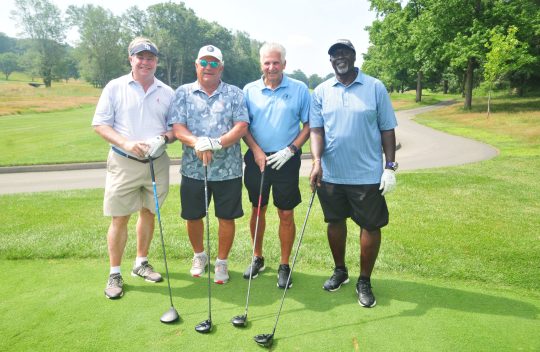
[[143, 47], [343, 43]]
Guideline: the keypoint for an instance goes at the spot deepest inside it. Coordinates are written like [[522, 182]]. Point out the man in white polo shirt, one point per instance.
[[132, 116]]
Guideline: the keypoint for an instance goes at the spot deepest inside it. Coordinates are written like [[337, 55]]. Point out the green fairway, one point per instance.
[[58, 305], [458, 268]]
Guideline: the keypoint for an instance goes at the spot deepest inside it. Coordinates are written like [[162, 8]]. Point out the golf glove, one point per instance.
[[207, 143], [156, 147], [388, 181], [278, 159]]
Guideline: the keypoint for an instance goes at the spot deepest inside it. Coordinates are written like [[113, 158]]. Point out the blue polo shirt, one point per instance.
[[210, 116], [352, 117], [275, 115]]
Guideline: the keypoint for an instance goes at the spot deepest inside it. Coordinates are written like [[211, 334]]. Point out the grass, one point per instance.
[[67, 135], [40, 314], [458, 268], [18, 97]]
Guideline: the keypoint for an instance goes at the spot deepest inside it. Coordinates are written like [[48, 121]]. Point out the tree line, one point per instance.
[[455, 45], [101, 51]]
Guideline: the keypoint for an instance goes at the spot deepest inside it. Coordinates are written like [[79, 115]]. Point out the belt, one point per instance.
[[119, 152]]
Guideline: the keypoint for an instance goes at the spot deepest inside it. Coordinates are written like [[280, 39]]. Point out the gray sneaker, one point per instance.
[[198, 266], [114, 286], [221, 273], [146, 271]]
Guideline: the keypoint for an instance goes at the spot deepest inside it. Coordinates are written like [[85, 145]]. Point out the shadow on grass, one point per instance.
[[307, 290]]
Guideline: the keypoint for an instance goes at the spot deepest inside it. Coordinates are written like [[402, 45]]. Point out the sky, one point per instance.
[[306, 28]]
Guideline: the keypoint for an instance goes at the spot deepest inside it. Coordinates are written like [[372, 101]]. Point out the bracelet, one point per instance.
[[315, 160]]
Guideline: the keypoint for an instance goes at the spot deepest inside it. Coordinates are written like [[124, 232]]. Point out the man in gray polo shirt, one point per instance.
[[132, 116]]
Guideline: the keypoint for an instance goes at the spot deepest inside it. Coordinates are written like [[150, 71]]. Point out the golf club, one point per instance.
[[266, 340], [206, 326], [171, 315], [241, 320]]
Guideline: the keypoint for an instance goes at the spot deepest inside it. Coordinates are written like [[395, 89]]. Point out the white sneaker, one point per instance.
[[221, 273], [198, 266]]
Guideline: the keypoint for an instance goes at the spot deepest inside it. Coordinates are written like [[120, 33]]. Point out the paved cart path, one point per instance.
[[420, 148]]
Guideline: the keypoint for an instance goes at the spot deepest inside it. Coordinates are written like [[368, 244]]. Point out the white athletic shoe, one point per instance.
[[221, 273], [198, 266]]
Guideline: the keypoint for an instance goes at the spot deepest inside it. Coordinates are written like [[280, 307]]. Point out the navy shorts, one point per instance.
[[283, 182], [227, 198], [362, 203]]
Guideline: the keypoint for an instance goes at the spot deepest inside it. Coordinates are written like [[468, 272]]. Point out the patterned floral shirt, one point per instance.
[[210, 116]]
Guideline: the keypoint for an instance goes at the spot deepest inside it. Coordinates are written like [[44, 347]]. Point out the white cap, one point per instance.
[[210, 50]]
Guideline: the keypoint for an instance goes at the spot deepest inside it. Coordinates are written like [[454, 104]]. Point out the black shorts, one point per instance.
[[227, 198], [362, 203], [284, 183]]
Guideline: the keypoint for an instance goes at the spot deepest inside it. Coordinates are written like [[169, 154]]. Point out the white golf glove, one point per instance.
[[278, 159], [388, 181], [207, 143], [156, 147]]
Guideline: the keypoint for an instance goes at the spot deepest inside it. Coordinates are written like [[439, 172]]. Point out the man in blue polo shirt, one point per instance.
[[277, 105], [351, 119]]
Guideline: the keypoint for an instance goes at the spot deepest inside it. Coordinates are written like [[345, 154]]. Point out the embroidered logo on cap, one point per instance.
[[210, 48]]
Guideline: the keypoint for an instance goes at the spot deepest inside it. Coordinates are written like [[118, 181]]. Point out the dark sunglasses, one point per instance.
[[204, 63]]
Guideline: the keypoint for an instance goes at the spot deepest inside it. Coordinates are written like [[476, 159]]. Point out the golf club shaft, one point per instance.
[[255, 240], [153, 176], [207, 240], [294, 259]]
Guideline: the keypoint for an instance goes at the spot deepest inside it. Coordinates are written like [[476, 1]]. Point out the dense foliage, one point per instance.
[[453, 44]]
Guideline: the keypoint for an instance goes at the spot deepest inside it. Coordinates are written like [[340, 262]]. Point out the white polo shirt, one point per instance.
[[132, 112]]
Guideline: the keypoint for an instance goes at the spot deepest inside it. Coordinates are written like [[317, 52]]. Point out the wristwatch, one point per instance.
[[293, 148], [392, 165]]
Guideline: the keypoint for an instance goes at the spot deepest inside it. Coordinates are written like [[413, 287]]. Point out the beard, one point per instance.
[[342, 68]]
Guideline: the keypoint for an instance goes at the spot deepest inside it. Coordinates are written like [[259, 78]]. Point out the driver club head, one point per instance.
[[239, 321], [264, 340], [204, 327], [170, 316]]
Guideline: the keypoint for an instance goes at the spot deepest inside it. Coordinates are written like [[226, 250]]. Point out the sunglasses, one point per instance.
[[204, 63]]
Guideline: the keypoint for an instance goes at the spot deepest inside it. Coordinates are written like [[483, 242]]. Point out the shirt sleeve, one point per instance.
[[385, 111], [177, 110], [240, 111], [305, 105], [315, 110], [104, 114]]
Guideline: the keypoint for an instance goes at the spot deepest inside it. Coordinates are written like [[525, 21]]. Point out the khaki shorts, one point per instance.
[[128, 186]]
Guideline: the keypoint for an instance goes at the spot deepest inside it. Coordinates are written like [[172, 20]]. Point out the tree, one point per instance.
[[299, 75], [507, 54], [175, 30], [314, 80], [41, 21], [8, 64], [101, 52], [6, 43]]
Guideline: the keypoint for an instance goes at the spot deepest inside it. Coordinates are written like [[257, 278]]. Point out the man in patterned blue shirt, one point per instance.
[[277, 105], [351, 119], [210, 117]]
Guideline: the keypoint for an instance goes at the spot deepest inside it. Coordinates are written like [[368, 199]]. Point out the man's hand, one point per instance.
[[156, 147], [315, 176], [278, 159], [207, 143], [388, 181]]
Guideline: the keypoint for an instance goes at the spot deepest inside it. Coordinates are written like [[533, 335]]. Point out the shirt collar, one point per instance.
[[359, 78], [197, 87], [284, 83]]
